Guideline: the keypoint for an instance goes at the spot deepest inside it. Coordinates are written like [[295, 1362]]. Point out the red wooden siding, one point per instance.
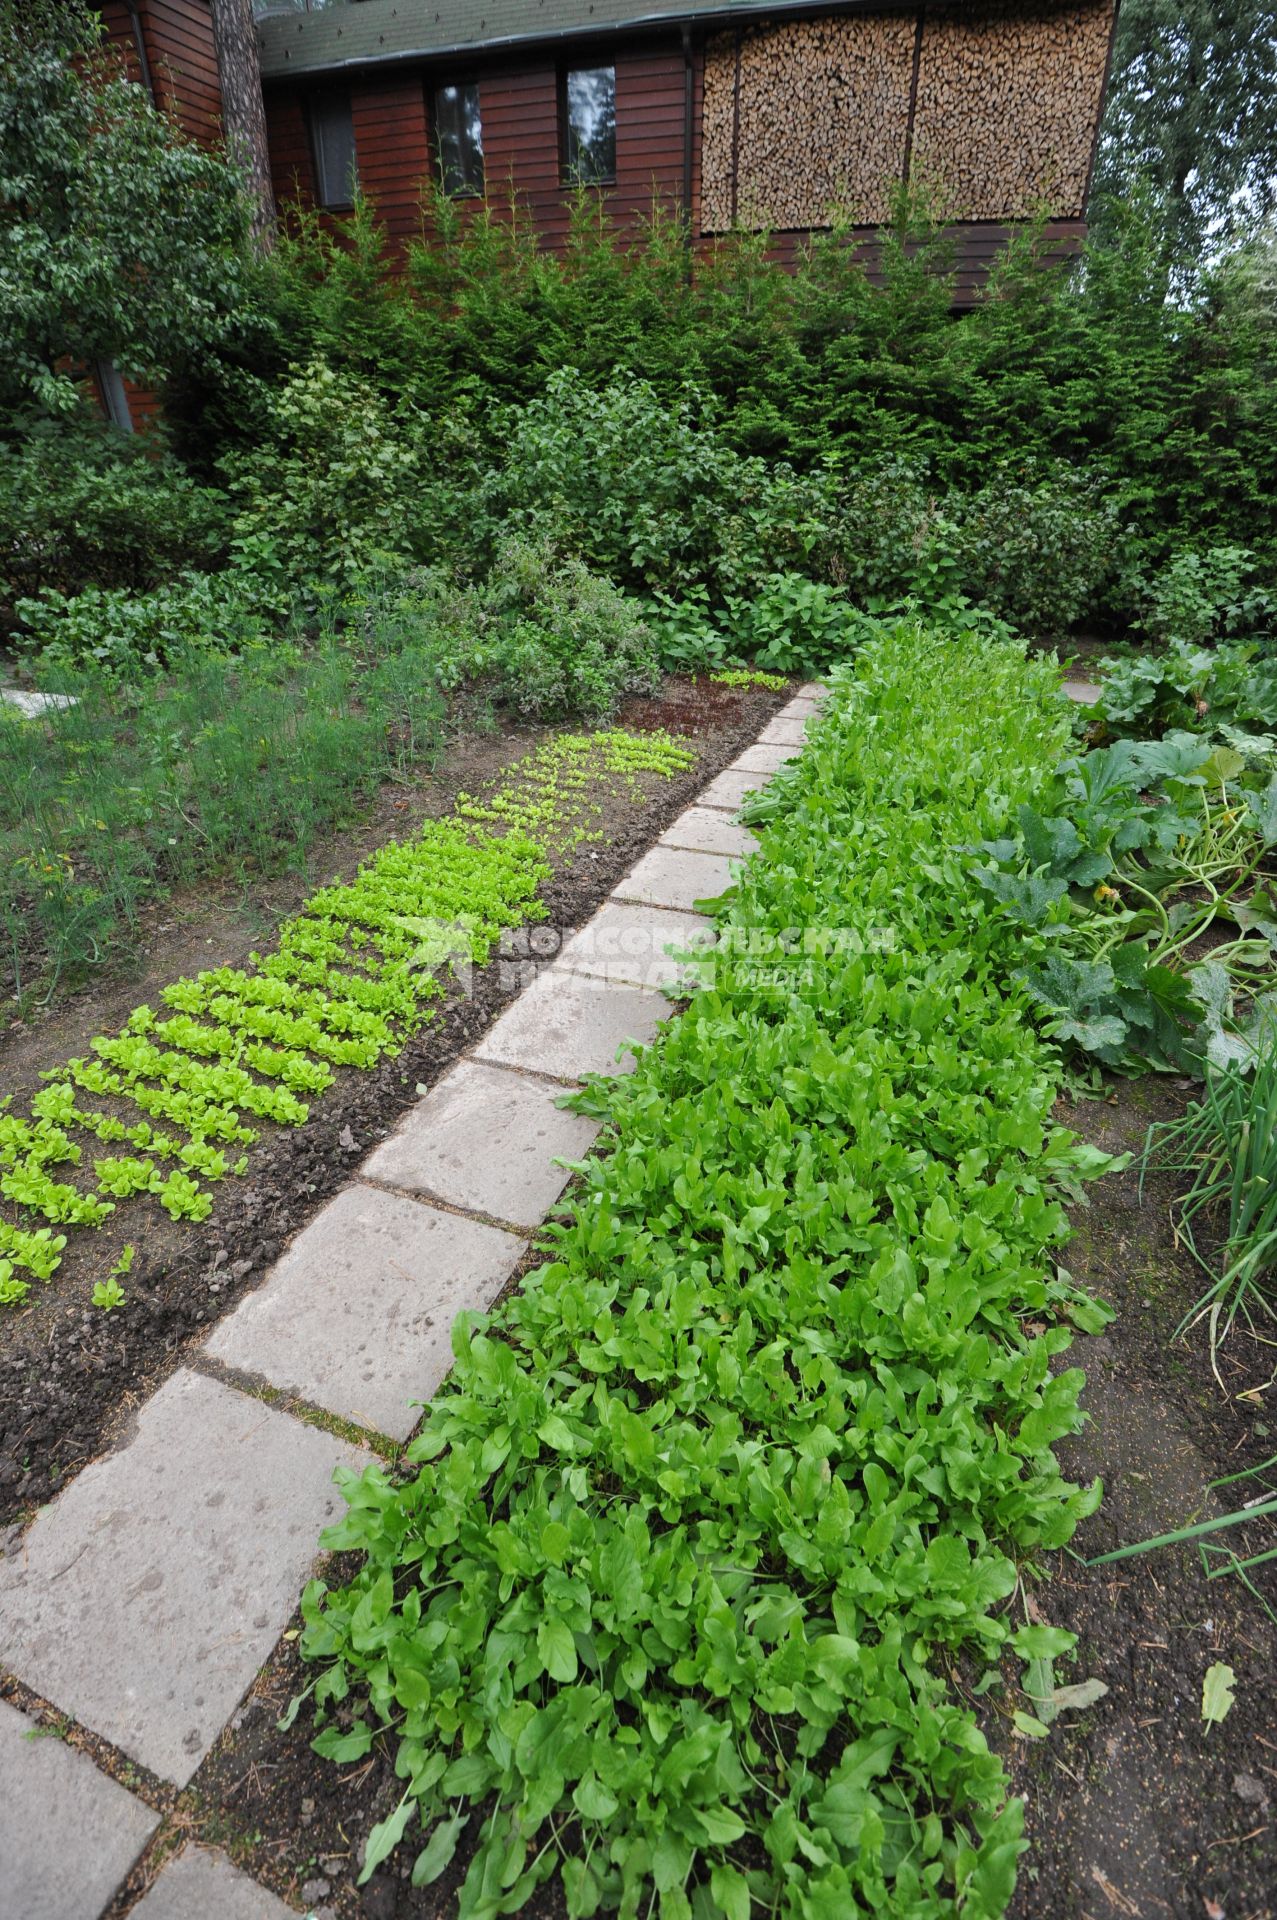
[[519, 106], [521, 137], [178, 35], [291, 166], [179, 45], [975, 244], [520, 113], [119, 33], [392, 149]]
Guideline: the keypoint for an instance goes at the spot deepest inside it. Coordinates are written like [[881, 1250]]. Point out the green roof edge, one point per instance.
[[342, 39]]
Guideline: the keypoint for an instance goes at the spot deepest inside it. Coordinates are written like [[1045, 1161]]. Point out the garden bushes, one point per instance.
[[647, 492], [323, 492], [84, 505]]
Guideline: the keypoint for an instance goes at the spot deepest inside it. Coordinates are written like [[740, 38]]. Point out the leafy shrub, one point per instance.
[[567, 642], [883, 517], [547, 636], [1200, 596], [685, 633], [793, 624], [325, 493], [647, 492], [1035, 545], [125, 634], [83, 504]]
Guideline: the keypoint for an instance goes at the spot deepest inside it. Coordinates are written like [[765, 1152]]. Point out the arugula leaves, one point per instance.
[[698, 1523]]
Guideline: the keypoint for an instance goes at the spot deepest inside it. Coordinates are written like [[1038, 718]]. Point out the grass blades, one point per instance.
[[350, 980], [705, 1514], [219, 767], [1227, 1144]]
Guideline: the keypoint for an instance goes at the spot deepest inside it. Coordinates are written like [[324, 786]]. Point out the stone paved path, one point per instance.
[[143, 1601]]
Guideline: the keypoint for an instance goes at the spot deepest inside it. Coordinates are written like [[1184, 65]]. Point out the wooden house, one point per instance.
[[771, 116], [778, 116]]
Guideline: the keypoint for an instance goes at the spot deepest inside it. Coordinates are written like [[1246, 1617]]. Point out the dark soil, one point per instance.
[[1134, 1807], [70, 1374]]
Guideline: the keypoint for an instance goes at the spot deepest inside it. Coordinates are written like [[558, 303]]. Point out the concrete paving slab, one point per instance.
[[32, 705], [766, 757], [729, 789], [813, 690], [145, 1598], [786, 730], [709, 831], [68, 1834], [567, 1024], [675, 877], [486, 1139], [1085, 692], [200, 1883], [357, 1315], [628, 941]]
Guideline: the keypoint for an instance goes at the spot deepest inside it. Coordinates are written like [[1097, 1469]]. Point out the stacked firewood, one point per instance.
[[809, 121], [717, 122], [821, 123], [1008, 100]]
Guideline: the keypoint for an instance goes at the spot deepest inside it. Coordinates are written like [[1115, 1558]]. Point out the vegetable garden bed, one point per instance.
[[68, 1371], [726, 1574]]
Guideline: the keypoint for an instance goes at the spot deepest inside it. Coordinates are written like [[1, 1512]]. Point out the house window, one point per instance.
[[332, 139], [459, 139], [589, 125]]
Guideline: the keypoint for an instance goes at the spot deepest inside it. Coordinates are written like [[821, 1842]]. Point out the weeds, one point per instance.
[[1227, 1143], [1218, 1557], [225, 768]]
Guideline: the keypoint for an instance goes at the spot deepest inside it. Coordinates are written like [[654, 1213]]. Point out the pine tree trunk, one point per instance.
[[243, 109]]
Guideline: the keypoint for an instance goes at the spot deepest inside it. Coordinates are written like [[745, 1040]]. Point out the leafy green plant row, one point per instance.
[[349, 981], [697, 1529]]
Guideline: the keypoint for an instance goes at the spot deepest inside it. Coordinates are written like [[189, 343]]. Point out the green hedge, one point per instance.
[[705, 1514]]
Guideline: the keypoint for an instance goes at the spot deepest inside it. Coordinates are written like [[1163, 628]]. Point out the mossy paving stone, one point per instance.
[[676, 877], [69, 1373], [1135, 1801], [708, 830], [486, 1140], [356, 1318], [628, 941]]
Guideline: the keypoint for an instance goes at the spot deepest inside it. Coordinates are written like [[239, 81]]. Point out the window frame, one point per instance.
[[568, 181], [316, 98], [434, 87]]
